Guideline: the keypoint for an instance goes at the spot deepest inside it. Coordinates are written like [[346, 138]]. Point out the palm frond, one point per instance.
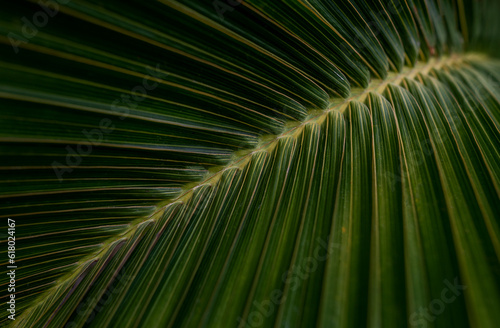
[[180, 163]]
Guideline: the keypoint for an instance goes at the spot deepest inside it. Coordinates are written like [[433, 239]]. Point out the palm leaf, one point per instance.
[[181, 163]]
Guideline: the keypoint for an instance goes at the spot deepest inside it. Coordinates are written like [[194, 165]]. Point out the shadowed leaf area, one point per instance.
[[255, 163]]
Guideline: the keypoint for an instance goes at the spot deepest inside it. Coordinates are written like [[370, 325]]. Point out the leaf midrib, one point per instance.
[[266, 144]]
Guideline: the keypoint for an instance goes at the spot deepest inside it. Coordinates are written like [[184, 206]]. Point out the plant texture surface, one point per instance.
[[250, 163]]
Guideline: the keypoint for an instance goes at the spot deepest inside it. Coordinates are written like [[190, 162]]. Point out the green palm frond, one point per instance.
[[250, 163]]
